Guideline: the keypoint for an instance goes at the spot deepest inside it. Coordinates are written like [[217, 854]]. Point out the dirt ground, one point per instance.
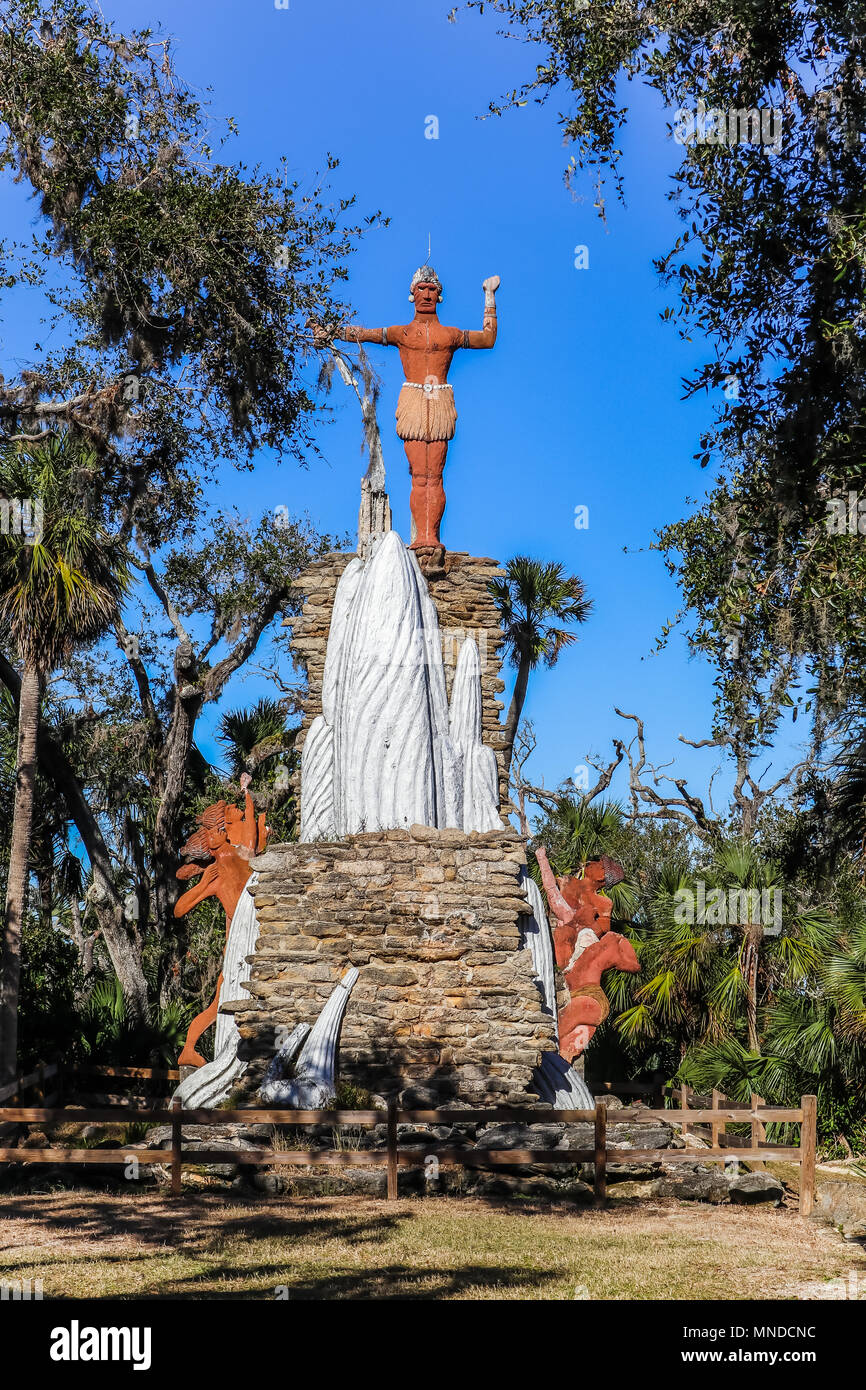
[[205, 1246]]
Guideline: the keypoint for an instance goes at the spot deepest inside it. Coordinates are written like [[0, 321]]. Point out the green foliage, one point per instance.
[[62, 583], [110, 1034], [179, 286], [533, 599], [48, 1018], [687, 1014], [351, 1097], [186, 281], [251, 733], [770, 271]]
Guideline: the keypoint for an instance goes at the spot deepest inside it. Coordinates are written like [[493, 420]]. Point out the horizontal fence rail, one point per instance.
[[62, 1076], [757, 1116]]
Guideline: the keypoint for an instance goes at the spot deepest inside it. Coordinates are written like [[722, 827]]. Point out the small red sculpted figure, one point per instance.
[[584, 946], [426, 415], [230, 838]]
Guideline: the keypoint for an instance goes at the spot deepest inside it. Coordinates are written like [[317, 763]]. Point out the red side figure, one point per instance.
[[584, 946], [229, 838]]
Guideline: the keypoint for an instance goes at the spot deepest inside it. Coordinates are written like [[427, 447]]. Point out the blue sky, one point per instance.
[[578, 404]]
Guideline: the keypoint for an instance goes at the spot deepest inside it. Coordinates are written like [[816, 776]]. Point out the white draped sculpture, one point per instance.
[[314, 1083], [387, 752]]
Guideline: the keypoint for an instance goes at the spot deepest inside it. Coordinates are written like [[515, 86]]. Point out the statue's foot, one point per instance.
[[190, 1058], [430, 557]]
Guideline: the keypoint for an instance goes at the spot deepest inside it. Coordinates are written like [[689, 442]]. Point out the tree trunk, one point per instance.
[[19, 858], [85, 946], [46, 893], [164, 863], [515, 709], [754, 936]]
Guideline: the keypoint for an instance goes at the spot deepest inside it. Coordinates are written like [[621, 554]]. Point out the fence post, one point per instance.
[[600, 1154], [176, 1147], [715, 1125], [392, 1150], [758, 1131], [684, 1105], [808, 1143]]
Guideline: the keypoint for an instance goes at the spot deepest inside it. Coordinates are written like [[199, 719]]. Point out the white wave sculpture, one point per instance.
[[559, 1084], [208, 1085], [386, 752], [480, 775], [536, 935], [314, 1083]]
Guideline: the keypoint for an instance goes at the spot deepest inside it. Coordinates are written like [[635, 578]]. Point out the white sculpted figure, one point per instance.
[[386, 752]]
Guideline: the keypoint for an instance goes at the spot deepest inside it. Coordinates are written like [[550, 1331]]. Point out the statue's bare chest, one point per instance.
[[424, 337]]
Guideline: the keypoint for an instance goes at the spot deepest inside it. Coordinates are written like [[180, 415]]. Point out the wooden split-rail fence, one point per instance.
[[691, 1113]]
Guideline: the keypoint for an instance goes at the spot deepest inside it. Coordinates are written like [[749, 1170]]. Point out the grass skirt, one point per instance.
[[427, 415]]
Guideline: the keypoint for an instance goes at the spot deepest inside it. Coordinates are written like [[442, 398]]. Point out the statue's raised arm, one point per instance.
[[486, 336]]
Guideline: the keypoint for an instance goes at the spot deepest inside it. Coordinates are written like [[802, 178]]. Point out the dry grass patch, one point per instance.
[[203, 1246]]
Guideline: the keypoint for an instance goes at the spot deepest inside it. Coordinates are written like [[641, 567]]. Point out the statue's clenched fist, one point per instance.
[[322, 338], [492, 284]]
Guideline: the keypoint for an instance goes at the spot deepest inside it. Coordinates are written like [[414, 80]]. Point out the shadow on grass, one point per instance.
[[394, 1282], [189, 1224], [198, 1228]]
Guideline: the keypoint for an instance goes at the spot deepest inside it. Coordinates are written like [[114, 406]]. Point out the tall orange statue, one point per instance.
[[426, 414], [584, 946], [230, 838]]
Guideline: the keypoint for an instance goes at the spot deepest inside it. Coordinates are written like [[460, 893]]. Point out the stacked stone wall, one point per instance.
[[446, 1000]]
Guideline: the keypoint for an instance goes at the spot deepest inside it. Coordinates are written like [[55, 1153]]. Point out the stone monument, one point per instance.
[[400, 938]]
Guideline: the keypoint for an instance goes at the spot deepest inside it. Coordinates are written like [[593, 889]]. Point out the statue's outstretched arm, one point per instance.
[[487, 336], [352, 333], [563, 913]]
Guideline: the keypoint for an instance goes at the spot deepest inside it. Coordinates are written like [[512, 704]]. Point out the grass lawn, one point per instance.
[[207, 1246]]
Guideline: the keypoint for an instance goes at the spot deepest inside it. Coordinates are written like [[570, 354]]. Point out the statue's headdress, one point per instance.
[[426, 275]]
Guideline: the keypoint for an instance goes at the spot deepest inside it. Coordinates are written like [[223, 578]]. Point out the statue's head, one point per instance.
[[425, 291], [584, 894]]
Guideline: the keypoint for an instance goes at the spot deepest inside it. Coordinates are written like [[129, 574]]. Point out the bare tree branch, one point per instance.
[[152, 578]]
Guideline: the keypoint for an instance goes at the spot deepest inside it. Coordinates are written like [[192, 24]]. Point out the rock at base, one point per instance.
[[750, 1188]]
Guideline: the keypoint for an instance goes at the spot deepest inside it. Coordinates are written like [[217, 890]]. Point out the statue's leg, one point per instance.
[[577, 1023], [572, 1044], [427, 499], [200, 1024]]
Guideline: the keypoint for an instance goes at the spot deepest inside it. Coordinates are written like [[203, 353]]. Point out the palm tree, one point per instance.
[[792, 955], [252, 736], [532, 597], [583, 831], [109, 1032], [714, 971], [61, 582]]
